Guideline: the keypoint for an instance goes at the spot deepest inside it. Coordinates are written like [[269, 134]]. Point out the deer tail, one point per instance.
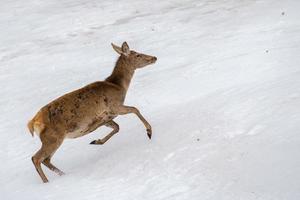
[[30, 126]]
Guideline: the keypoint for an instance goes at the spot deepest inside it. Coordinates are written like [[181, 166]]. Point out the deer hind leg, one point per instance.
[[47, 163], [49, 146], [115, 128]]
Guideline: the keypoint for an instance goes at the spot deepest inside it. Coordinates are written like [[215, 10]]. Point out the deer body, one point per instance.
[[73, 114], [82, 111]]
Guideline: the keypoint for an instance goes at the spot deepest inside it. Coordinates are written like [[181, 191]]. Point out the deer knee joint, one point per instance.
[[35, 161], [135, 110]]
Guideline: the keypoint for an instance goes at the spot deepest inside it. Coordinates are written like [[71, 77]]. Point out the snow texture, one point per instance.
[[223, 98]]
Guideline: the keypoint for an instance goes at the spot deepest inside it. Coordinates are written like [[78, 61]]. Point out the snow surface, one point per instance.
[[223, 98]]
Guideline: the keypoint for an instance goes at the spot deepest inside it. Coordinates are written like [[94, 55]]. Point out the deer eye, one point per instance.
[[138, 55]]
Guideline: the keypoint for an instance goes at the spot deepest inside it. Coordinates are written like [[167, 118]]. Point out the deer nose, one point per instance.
[[154, 59]]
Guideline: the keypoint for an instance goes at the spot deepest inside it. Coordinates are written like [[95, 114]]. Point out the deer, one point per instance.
[[84, 110]]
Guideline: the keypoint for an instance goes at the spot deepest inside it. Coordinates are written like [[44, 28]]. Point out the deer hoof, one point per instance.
[[45, 180], [96, 142], [60, 173], [149, 133], [93, 142]]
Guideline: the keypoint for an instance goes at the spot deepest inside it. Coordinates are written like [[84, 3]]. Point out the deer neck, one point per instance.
[[122, 73]]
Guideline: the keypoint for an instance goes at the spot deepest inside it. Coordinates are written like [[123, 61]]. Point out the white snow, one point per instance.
[[223, 98]]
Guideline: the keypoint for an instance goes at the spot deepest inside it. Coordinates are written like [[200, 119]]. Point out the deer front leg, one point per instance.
[[123, 110], [115, 128]]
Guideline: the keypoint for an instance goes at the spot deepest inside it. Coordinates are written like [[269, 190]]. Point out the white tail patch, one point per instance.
[[38, 128]]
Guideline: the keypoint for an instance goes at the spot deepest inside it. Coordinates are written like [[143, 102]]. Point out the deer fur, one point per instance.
[[82, 111]]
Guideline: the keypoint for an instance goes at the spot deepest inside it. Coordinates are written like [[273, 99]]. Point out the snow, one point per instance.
[[223, 98]]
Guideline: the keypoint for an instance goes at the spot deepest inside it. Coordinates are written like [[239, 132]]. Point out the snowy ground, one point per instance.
[[223, 98]]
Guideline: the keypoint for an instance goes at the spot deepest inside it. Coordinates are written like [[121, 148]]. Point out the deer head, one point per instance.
[[135, 59]]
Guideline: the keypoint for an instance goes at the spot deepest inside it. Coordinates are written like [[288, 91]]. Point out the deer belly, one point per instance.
[[75, 134], [83, 129]]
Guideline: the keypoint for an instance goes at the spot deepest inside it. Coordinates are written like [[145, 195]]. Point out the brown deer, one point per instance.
[[84, 110]]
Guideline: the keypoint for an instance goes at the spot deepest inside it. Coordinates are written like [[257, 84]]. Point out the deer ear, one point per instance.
[[117, 49], [125, 49]]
